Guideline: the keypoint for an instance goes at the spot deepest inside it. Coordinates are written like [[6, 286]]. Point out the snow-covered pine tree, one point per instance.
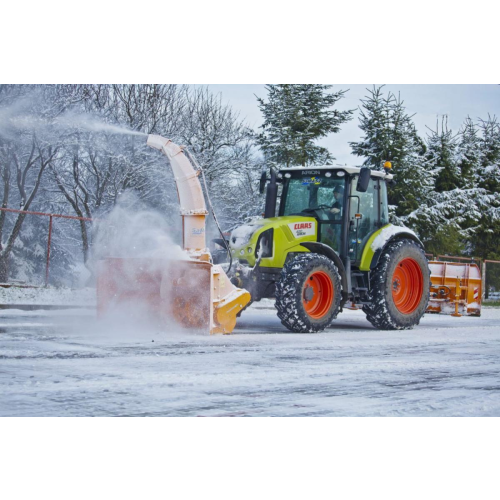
[[465, 212], [486, 241], [442, 145], [438, 220], [295, 116], [468, 153], [390, 135], [488, 176], [477, 199], [375, 121]]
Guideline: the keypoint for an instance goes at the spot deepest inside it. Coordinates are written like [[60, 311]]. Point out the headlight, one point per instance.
[[265, 244]]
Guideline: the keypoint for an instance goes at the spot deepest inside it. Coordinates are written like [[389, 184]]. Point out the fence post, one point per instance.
[[483, 286], [48, 252]]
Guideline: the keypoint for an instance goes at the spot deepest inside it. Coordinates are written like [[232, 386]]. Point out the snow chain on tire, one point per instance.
[[293, 285], [383, 312]]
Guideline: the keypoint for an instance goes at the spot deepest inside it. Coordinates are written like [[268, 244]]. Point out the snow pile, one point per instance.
[[48, 296]]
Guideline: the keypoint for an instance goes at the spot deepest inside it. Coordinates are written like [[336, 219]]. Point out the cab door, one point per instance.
[[364, 217], [330, 224]]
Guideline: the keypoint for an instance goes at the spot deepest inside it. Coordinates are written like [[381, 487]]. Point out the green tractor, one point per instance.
[[329, 247]]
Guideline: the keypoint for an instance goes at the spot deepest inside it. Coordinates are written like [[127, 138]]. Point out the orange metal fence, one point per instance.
[[486, 285], [49, 235]]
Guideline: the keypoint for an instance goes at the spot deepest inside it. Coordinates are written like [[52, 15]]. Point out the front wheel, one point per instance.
[[308, 293], [399, 287]]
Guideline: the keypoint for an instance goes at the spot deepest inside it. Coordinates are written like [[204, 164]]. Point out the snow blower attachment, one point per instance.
[[194, 291]]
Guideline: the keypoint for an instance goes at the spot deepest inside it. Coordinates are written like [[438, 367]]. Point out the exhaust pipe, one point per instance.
[[271, 196]]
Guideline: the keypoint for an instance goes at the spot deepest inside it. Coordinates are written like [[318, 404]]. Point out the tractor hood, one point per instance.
[[243, 234], [283, 233]]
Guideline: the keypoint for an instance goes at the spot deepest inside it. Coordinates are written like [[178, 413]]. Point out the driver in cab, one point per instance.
[[338, 194]]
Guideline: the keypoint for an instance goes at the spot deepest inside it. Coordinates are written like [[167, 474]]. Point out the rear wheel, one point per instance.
[[308, 293], [399, 287]]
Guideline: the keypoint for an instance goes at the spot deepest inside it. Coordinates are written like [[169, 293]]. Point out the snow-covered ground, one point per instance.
[[84, 297], [66, 363]]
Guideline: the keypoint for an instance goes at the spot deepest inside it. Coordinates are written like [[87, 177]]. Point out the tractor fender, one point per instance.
[[322, 249], [404, 234]]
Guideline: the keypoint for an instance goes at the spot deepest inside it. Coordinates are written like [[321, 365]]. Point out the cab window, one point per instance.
[[363, 217], [384, 208], [310, 193]]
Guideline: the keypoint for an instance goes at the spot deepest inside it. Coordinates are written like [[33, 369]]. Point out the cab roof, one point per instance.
[[331, 168]]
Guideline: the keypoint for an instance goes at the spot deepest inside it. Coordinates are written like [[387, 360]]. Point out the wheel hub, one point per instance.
[[317, 294], [308, 293]]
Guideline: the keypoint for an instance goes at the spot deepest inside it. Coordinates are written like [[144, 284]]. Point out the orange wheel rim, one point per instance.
[[317, 294], [407, 286]]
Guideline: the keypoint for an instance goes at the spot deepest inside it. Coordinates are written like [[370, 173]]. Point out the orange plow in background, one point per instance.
[[456, 289], [193, 292]]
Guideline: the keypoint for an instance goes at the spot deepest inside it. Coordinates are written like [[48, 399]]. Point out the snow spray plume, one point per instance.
[[134, 249], [132, 231], [15, 114], [19, 117], [90, 123]]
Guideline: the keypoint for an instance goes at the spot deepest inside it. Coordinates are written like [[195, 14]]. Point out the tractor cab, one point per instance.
[[349, 204]]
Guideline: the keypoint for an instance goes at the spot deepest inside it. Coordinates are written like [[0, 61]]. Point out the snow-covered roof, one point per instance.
[[348, 170]]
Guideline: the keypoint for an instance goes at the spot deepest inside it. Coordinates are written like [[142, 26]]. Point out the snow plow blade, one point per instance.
[[195, 294], [455, 289]]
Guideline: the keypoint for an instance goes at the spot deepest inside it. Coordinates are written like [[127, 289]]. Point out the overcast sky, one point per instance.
[[426, 101]]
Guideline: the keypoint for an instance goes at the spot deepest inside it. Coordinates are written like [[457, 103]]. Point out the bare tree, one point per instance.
[[95, 168], [91, 166], [214, 133], [28, 166]]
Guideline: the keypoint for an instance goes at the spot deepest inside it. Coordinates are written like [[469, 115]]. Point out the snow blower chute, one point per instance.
[[194, 291]]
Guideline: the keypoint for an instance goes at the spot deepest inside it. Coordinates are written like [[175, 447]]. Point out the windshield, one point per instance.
[[309, 193]]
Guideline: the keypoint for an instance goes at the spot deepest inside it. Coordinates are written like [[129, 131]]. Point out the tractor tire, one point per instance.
[[399, 287], [308, 293]]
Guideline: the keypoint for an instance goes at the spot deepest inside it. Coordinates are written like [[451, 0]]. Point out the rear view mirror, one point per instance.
[[364, 180], [262, 183]]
